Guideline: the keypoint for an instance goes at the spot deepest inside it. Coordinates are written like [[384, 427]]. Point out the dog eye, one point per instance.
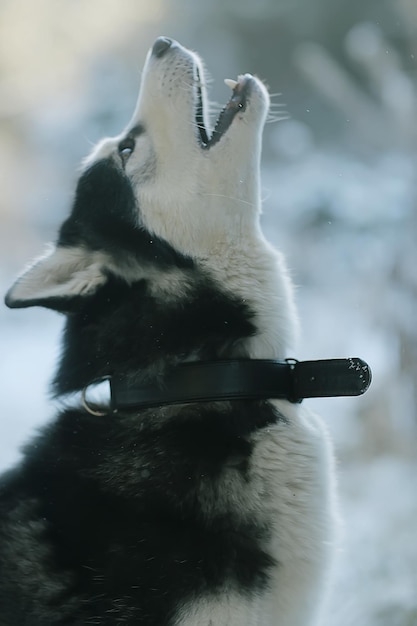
[[126, 148]]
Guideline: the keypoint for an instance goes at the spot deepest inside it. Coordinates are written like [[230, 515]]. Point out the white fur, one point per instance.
[[206, 203], [228, 609], [290, 488], [294, 463]]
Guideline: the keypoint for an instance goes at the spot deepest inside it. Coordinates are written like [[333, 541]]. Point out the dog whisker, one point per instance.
[[228, 197]]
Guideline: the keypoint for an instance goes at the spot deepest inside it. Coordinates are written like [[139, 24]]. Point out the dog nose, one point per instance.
[[161, 45]]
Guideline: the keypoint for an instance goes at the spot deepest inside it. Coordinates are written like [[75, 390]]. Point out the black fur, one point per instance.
[[120, 500], [124, 329], [129, 508], [105, 216]]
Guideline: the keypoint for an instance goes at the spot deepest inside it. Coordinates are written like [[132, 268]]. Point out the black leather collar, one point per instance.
[[246, 380]]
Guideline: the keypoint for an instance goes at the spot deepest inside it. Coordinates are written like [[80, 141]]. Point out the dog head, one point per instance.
[[170, 204]]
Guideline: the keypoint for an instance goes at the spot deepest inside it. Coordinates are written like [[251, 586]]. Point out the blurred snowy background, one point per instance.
[[339, 189]]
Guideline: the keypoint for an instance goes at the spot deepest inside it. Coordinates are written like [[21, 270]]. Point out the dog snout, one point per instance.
[[161, 45]]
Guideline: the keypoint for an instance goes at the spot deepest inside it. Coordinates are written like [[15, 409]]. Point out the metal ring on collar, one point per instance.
[[90, 407]]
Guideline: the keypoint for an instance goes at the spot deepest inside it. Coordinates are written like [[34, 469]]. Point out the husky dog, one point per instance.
[[193, 514]]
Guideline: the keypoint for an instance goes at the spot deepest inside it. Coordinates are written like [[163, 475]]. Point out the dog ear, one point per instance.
[[57, 278]]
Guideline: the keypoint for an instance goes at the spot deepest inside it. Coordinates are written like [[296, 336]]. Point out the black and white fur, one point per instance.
[[210, 514]]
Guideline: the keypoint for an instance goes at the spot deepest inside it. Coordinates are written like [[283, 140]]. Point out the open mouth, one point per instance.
[[235, 105]]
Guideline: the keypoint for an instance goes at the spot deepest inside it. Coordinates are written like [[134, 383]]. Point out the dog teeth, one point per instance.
[[230, 83]]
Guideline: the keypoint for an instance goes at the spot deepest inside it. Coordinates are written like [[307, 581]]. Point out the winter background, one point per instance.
[[339, 190]]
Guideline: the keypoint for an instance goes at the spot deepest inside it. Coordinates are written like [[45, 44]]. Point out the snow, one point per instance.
[[376, 569], [29, 349]]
